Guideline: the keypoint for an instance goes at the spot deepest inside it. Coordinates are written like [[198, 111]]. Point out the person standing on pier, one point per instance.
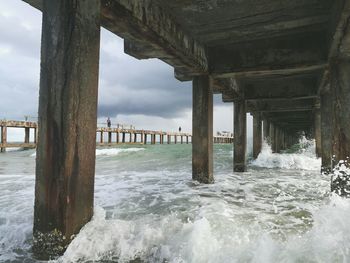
[[180, 129], [109, 123]]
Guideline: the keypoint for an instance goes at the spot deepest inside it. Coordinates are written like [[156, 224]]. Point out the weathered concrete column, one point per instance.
[[130, 137], [266, 132], [326, 130], [65, 167], [142, 136], [123, 137], [135, 137], [202, 130], [257, 135], [240, 135], [182, 139], [272, 136], [145, 142], [3, 137], [340, 87], [101, 137], [317, 128], [35, 135], [117, 137], [186, 139], [109, 137], [175, 139], [26, 134], [169, 139]]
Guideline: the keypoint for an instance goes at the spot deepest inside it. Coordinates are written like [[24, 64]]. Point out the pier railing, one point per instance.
[[105, 136]]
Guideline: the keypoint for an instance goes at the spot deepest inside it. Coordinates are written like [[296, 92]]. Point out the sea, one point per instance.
[[148, 209]]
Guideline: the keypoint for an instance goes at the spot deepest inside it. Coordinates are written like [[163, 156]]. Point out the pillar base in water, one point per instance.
[[49, 246], [240, 168]]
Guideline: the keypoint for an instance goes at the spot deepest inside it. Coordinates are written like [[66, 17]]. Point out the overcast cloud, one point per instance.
[[139, 92]]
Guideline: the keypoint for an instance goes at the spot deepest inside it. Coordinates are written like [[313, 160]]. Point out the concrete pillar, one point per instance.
[[257, 135], [277, 141], [35, 135], [109, 137], [145, 142], [130, 137], [26, 134], [65, 160], [117, 137], [340, 88], [123, 137], [240, 135], [272, 136], [202, 130], [3, 138], [135, 137], [182, 139], [175, 139], [169, 139], [186, 139], [317, 129], [101, 136], [266, 126], [326, 130]]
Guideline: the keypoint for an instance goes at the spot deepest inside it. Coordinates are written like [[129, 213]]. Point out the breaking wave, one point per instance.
[[304, 158]]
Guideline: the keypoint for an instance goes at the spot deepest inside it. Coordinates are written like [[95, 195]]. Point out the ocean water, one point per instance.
[[147, 209]]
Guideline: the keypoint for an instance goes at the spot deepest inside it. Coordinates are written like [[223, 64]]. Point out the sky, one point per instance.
[[142, 93]]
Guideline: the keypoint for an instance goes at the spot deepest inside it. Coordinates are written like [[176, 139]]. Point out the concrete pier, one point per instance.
[[272, 58]]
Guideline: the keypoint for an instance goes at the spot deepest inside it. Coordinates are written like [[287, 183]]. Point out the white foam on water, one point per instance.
[[116, 151], [305, 159], [112, 151]]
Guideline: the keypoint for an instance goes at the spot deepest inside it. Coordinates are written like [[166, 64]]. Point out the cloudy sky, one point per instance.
[[143, 93]]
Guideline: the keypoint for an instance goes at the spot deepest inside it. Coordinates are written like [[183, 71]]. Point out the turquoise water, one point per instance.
[[147, 208]]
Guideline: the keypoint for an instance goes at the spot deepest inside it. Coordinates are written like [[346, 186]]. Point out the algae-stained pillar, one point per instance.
[[64, 189], [109, 137], [317, 119], [101, 136], [257, 134], [272, 136], [240, 135], [202, 130], [326, 109], [340, 88]]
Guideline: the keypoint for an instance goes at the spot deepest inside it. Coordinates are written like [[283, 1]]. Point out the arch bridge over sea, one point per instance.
[[286, 62]]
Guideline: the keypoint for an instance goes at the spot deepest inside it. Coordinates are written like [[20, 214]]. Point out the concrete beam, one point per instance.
[[267, 55], [150, 32], [284, 105], [202, 130], [65, 162]]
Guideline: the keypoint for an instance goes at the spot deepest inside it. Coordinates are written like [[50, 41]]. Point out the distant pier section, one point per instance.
[[121, 134]]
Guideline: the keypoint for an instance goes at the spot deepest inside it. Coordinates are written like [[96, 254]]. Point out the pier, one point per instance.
[[285, 62], [115, 136]]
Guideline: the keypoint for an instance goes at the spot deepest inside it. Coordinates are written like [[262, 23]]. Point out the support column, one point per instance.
[[317, 129], [135, 137], [35, 135], [123, 137], [257, 135], [117, 137], [272, 136], [65, 166], [169, 139], [202, 130], [101, 137], [145, 142], [26, 134], [240, 135], [3, 138], [130, 137], [186, 139], [182, 139], [326, 130], [109, 137], [175, 139], [266, 126], [340, 88]]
